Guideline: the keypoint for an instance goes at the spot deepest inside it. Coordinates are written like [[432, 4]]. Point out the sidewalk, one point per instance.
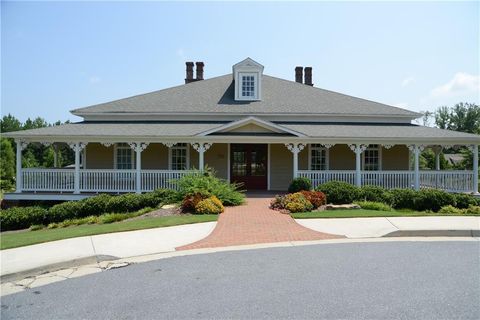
[[111, 245], [396, 226], [151, 241]]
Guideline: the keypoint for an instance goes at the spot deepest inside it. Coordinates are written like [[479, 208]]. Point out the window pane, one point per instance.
[[124, 157], [318, 158], [179, 157], [239, 165]]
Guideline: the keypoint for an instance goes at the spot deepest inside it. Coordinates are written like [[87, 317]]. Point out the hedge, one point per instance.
[[23, 217], [338, 192]]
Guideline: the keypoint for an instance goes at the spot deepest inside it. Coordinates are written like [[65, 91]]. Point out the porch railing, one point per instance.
[[97, 180], [452, 181], [58, 180]]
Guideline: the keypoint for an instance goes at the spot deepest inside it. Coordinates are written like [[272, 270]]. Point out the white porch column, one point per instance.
[[138, 147], [77, 147], [358, 149], [416, 165], [201, 147], [475, 168], [295, 148], [19, 177]]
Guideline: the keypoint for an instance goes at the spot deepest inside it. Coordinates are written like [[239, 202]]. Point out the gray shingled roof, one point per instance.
[[190, 129], [216, 96]]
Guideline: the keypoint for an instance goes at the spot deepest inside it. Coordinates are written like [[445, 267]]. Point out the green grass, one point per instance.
[[25, 238], [362, 213]]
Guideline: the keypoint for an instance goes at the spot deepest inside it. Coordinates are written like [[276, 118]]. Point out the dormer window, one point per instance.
[[247, 76], [248, 85]]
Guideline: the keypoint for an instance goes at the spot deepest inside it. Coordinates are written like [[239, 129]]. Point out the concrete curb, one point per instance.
[[56, 266], [413, 235], [433, 233]]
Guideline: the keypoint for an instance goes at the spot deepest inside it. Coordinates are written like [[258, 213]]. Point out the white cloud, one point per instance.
[[407, 81], [94, 79], [461, 84]]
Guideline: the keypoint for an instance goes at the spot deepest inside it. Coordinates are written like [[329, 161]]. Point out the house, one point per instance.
[[251, 128]]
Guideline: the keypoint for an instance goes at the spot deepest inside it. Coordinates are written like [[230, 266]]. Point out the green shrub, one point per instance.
[[125, 203], [205, 182], [113, 217], [53, 225], [473, 210], [371, 205], [375, 194], [209, 206], [338, 192], [64, 211], [403, 198], [316, 198], [300, 184], [451, 210], [35, 227], [21, 217], [93, 206], [296, 202], [433, 199], [463, 201]]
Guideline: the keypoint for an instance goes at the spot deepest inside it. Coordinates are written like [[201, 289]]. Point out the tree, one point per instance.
[[7, 165], [464, 117], [10, 123]]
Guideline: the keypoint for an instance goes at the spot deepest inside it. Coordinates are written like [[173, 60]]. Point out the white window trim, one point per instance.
[[379, 148], [115, 151], [257, 86], [170, 154], [327, 157]]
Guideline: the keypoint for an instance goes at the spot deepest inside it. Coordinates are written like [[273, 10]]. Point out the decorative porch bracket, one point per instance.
[[201, 147], [416, 149], [295, 148], [358, 149], [77, 147], [21, 144], [138, 147]]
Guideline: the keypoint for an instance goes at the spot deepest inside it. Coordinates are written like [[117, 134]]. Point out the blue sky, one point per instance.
[[57, 56]]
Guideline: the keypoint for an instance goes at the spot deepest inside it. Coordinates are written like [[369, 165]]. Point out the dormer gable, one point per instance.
[[247, 76]]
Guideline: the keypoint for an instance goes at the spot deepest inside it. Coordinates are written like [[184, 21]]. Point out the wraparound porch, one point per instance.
[[283, 161]]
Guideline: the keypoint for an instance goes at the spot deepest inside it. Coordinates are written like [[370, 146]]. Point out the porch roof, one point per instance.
[[340, 132]]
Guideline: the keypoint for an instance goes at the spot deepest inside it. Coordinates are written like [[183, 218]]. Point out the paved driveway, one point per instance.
[[394, 280], [256, 223]]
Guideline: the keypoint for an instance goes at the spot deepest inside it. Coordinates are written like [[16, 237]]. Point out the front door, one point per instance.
[[249, 165]]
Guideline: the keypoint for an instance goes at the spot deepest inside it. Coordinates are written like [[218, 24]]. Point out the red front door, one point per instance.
[[249, 165]]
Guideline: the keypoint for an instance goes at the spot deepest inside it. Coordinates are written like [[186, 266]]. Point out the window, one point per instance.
[[179, 155], [371, 158], [124, 158], [248, 86], [318, 157]]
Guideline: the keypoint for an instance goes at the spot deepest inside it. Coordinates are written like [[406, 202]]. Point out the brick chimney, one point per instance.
[[189, 77], [199, 70], [299, 74], [308, 76]]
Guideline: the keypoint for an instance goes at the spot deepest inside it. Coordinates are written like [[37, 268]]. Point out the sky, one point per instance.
[[58, 56]]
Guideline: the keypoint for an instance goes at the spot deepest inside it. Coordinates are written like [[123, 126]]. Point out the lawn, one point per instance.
[[25, 238], [362, 213]]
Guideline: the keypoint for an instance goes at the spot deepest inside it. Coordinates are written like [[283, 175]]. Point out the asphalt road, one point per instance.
[[395, 280]]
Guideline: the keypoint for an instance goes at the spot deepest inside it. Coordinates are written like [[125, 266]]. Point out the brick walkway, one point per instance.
[[255, 223]]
